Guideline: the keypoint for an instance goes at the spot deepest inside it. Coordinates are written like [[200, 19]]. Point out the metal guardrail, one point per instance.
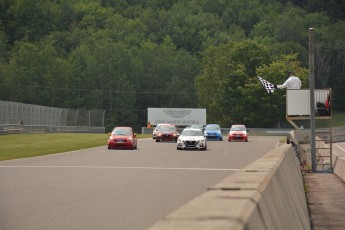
[[338, 133], [17, 129], [225, 131], [37, 115]]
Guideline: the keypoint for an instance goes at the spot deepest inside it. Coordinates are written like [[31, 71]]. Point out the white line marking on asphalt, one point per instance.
[[340, 147], [111, 167]]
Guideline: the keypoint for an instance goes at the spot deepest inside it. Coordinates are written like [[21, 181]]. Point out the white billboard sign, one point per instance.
[[298, 101], [177, 116]]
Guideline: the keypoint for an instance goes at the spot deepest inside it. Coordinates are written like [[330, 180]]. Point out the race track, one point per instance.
[[115, 189]]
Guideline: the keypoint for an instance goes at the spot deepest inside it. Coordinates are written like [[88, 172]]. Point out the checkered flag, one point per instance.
[[267, 85]]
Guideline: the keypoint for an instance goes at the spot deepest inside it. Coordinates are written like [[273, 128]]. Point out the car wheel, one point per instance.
[[109, 147], [157, 140]]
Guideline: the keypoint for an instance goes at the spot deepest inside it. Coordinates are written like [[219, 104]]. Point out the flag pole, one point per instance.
[[312, 99]]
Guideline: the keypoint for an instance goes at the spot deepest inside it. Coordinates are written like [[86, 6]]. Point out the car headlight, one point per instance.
[[111, 138]]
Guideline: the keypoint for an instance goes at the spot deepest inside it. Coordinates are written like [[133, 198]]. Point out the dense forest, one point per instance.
[[123, 56]]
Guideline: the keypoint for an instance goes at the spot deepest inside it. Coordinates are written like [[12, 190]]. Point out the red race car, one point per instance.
[[167, 132], [122, 138], [238, 133]]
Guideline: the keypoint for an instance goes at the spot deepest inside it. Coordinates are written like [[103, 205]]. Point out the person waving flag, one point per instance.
[[267, 85]]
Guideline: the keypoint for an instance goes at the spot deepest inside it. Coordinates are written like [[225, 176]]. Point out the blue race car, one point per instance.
[[213, 132]]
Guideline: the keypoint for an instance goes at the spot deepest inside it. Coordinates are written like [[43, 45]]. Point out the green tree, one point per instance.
[[271, 108], [226, 70], [164, 69], [286, 30], [188, 26], [243, 13], [330, 60], [3, 44], [31, 20], [34, 72], [125, 56], [3, 50]]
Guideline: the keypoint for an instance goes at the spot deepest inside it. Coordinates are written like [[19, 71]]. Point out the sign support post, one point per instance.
[[312, 99]]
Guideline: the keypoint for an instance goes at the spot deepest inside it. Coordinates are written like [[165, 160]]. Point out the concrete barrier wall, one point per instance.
[[339, 165], [338, 161], [267, 194], [338, 135]]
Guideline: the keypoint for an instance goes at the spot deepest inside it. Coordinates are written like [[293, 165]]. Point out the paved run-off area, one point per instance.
[[326, 200]]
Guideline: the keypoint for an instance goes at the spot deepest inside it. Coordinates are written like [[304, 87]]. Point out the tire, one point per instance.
[[157, 140]]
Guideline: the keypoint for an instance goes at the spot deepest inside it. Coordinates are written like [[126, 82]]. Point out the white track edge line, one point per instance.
[[340, 147], [110, 167]]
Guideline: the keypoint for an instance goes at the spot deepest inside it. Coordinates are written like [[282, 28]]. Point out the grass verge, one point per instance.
[[16, 146]]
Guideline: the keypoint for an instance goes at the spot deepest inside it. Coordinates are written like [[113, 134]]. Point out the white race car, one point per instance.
[[192, 139]]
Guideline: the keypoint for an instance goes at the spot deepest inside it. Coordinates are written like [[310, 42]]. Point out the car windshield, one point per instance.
[[238, 128], [167, 128], [190, 132], [197, 126], [213, 127], [122, 132]]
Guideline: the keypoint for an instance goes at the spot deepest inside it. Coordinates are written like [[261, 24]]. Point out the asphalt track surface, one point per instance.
[[326, 197], [100, 189], [339, 148]]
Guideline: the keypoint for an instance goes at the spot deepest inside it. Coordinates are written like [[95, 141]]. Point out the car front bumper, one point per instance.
[[115, 144], [215, 137], [191, 145], [237, 137], [166, 137]]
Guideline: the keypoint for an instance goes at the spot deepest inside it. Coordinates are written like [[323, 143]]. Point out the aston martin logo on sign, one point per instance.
[[176, 116], [177, 113]]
